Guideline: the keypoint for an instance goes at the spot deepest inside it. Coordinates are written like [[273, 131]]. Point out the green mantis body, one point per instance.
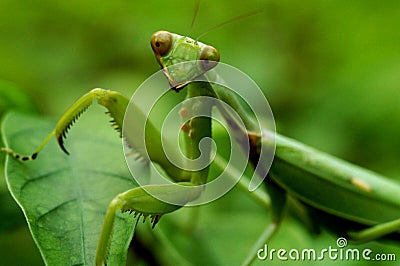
[[326, 189]]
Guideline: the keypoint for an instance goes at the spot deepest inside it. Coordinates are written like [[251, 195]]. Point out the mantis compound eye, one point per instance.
[[161, 42], [210, 57]]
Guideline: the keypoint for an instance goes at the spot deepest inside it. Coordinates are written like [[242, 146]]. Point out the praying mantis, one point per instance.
[[327, 190]]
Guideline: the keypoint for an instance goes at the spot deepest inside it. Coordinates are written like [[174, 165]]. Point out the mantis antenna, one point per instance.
[[220, 25], [229, 21], [196, 11]]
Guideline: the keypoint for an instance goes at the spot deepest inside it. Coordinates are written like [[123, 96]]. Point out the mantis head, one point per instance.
[[173, 50]]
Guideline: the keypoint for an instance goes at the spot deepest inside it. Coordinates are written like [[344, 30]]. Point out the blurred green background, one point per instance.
[[330, 69]]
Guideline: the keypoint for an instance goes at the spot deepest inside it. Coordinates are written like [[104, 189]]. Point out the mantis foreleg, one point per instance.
[[143, 202], [115, 103]]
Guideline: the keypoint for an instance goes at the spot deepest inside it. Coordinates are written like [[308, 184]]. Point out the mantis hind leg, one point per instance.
[[375, 232], [278, 199]]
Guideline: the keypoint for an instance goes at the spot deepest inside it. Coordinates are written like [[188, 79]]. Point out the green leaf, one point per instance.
[[64, 198], [11, 98]]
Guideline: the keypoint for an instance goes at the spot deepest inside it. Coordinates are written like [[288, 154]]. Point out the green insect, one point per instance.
[[328, 191]]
